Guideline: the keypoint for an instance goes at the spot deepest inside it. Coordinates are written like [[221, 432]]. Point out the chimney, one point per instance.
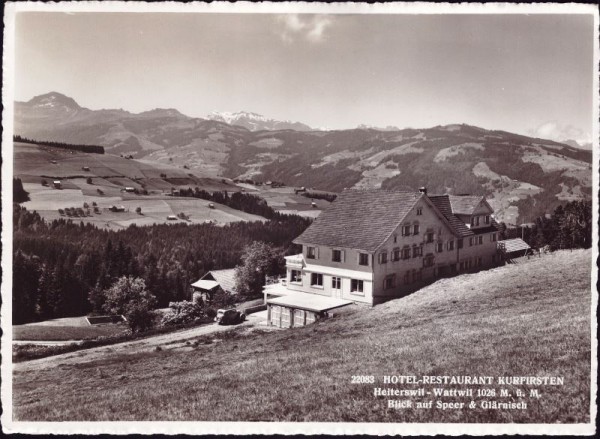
[[423, 190]]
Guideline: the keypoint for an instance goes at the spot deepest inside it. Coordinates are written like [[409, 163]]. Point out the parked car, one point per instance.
[[229, 317]]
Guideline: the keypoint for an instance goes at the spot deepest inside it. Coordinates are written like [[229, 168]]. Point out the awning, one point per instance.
[[309, 302], [205, 284]]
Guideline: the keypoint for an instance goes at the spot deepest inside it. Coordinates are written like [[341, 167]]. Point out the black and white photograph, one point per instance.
[[299, 218]]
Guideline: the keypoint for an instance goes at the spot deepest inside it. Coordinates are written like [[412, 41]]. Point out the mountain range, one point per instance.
[[523, 177]]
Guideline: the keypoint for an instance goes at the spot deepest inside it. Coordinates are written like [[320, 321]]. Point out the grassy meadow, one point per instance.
[[64, 333], [528, 319]]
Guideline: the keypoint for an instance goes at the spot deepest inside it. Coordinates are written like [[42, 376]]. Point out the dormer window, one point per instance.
[[337, 256]]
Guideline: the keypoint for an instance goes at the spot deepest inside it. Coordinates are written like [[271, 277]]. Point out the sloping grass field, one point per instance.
[[528, 319]]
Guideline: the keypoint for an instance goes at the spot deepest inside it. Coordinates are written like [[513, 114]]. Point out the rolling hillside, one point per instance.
[[529, 319], [110, 175], [522, 177]]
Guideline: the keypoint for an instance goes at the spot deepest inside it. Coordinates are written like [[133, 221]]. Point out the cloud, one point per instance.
[[555, 131], [304, 26]]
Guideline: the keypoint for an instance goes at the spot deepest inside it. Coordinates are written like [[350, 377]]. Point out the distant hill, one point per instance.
[[523, 177], [575, 144]]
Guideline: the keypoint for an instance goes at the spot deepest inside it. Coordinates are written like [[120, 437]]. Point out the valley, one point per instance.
[[102, 186], [522, 177]]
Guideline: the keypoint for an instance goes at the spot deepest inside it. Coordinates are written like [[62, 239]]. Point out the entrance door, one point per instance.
[[336, 287]]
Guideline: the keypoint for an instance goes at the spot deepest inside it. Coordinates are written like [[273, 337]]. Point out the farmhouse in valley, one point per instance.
[[370, 246]]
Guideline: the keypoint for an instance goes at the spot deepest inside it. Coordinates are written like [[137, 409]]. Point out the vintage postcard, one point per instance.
[[299, 218]]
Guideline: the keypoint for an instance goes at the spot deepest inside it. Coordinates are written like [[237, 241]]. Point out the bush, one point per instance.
[[183, 312], [211, 313], [128, 296]]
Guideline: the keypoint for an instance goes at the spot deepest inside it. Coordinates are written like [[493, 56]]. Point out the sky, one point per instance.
[[529, 74]]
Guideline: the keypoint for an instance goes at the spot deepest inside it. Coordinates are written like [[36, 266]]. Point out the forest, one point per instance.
[[96, 149], [60, 267]]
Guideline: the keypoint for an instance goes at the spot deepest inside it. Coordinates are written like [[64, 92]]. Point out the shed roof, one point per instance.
[[204, 284], [309, 302], [514, 245], [360, 219], [225, 278]]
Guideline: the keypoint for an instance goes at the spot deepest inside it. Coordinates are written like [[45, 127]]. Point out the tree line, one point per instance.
[[61, 268], [96, 149], [237, 200]]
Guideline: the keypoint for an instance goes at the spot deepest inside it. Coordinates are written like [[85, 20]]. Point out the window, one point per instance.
[[363, 259], [336, 255], [460, 243], [428, 260], [296, 276], [440, 247], [429, 237], [472, 221], [487, 219], [480, 240], [417, 251], [383, 258], [416, 275], [450, 245], [311, 252], [356, 286], [316, 280], [336, 283], [420, 211], [389, 282], [406, 253], [493, 237], [395, 239], [396, 254], [476, 220], [407, 278], [416, 229], [479, 261], [405, 230], [470, 241]]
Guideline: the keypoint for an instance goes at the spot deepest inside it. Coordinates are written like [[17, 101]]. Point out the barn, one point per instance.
[[213, 281]]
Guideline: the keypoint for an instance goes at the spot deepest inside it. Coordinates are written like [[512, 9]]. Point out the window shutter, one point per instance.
[[343, 255], [316, 252]]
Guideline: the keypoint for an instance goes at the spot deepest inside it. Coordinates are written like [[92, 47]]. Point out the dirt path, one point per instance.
[[171, 340]]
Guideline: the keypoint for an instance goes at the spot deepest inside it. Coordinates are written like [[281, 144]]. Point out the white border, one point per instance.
[[10, 426]]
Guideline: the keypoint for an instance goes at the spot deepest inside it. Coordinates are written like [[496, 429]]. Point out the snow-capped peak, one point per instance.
[[255, 121]]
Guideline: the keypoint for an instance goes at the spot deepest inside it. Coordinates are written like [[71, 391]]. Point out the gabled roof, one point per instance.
[[464, 204], [360, 219], [443, 204], [225, 278]]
